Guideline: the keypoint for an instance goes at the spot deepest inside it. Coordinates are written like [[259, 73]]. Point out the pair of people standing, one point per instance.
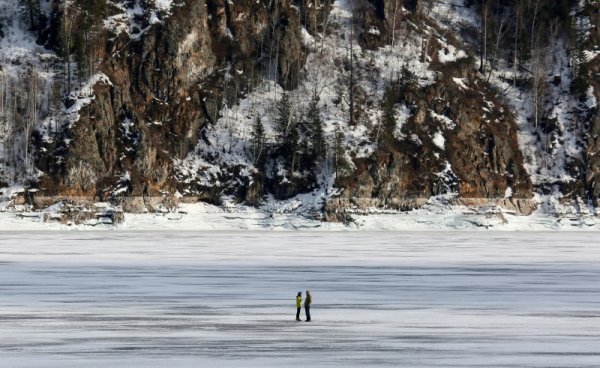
[[307, 304]]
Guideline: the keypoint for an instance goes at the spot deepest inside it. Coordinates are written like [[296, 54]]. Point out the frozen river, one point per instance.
[[227, 299]]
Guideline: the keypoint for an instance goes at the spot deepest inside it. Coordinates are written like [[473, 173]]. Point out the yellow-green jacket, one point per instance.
[[298, 301]]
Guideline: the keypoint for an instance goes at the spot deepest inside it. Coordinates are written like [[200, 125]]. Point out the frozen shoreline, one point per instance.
[[201, 216]]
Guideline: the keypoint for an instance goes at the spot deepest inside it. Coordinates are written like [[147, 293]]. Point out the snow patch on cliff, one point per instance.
[[163, 5], [136, 17], [402, 114], [84, 95], [439, 140], [449, 53], [453, 14], [446, 121]]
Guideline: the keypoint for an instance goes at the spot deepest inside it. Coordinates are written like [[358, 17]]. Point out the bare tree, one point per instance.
[[538, 70], [536, 8], [499, 32], [393, 24], [317, 75], [325, 25], [554, 32], [317, 9], [6, 121], [67, 32], [518, 20], [33, 86], [539, 66], [484, 36], [351, 80]]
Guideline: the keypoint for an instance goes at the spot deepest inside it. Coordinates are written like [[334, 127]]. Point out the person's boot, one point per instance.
[[298, 319]]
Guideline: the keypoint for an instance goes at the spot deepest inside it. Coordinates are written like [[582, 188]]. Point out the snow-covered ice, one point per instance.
[[226, 299]]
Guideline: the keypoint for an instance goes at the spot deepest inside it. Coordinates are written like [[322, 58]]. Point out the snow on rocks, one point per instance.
[[448, 53], [589, 55], [84, 95], [439, 140], [449, 177], [163, 5], [461, 82], [307, 39], [454, 14], [591, 101], [446, 121], [130, 19], [402, 114]]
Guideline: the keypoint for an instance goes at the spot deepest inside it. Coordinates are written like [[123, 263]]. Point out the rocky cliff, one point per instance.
[[161, 88], [363, 104]]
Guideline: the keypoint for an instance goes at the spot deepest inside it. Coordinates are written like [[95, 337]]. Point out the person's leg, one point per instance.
[[307, 309], [298, 314]]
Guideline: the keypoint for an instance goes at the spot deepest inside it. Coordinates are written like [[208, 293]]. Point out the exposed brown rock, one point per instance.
[[168, 85]]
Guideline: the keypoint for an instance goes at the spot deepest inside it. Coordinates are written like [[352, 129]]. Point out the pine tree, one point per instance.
[[578, 59], [316, 126], [389, 113], [93, 11], [79, 47], [283, 119], [68, 25], [292, 151], [287, 132], [33, 14], [408, 78], [257, 140], [56, 101], [341, 165]]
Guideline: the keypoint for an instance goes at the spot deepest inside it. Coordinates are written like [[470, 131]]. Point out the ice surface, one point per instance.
[[193, 299]]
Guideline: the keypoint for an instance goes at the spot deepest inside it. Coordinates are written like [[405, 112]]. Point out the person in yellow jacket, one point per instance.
[[298, 305]]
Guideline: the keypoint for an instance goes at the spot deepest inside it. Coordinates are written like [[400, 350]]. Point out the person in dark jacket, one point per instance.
[[307, 303], [298, 305]]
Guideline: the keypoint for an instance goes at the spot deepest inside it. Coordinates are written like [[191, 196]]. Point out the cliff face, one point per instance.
[[406, 108], [162, 88], [130, 126], [460, 137], [592, 153]]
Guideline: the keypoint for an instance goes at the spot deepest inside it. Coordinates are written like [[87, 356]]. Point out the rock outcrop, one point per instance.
[[163, 88], [460, 137]]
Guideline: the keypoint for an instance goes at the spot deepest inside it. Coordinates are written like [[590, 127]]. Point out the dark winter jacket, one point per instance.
[[308, 300]]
